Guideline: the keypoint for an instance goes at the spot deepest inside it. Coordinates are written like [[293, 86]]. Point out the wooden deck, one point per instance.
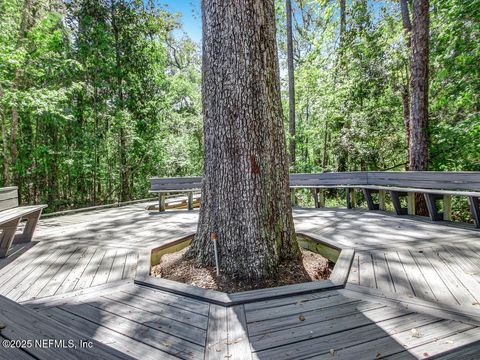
[[413, 292]]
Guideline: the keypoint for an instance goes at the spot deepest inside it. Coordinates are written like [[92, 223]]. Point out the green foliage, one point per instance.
[[349, 91], [97, 96], [100, 101]]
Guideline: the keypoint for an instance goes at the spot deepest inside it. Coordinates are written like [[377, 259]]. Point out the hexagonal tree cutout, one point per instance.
[[340, 256]]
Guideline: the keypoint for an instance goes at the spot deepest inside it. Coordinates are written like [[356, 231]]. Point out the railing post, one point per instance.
[[475, 210]]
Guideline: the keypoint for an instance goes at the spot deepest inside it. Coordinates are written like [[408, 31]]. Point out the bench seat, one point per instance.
[[21, 211], [392, 188], [10, 216], [434, 185]]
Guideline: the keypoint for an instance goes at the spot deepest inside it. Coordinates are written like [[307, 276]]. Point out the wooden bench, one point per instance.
[[164, 186], [435, 186], [10, 216]]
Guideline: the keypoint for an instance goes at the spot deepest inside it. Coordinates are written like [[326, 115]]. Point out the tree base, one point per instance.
[[178, 267]]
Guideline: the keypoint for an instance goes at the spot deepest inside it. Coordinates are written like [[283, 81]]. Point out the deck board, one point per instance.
[[407, 274], [382, 272], [102, 334], [139, 332], [26, 324]]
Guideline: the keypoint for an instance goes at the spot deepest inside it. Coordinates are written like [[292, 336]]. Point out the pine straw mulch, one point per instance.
[[175, 267]]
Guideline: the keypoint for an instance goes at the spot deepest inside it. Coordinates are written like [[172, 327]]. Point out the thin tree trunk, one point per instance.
[[343, 22], [406, 115], [245, 193], [6, 177], [26, 23], [342, 156], [418, 159], [407, 28], [291, 84], [325, 147], [124, 184], [13, 137]]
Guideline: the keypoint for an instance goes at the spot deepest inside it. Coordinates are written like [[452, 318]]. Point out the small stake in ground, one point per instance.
[[213, 237]]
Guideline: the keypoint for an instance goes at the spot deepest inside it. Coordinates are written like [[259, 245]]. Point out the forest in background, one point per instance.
[[97, 96]]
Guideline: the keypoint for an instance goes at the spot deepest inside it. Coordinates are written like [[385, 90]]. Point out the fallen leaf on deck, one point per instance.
[[301, 318], [415, 333]]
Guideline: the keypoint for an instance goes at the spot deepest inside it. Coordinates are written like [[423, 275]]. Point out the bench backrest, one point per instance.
[[176, 183], [329, 179], [441, 180], [8, 198]]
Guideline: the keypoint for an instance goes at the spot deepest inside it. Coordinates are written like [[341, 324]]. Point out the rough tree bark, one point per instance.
[[407, 29], [245, 193], [291, 84], [418, 154], [342, 155], [6, 177], [407, 24]]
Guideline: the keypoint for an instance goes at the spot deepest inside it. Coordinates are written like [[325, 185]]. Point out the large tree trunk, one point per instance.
[[291, 83], [245, 194], [418, 158]]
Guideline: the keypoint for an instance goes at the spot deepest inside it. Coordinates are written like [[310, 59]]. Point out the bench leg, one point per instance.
[[447, 207], [353, 197], [321, 198], [396, 203], [32, 220], [431, 200], [292, 196], [349, 200], [368, 197], [161, 202], [475, 210], [411, 203], [381, 200], [6, 238], [315, 197], [190, 200]]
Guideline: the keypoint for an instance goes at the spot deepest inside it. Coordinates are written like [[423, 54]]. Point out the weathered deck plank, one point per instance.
[[421, 267], [114, 339], [25, 324], [139, 332]]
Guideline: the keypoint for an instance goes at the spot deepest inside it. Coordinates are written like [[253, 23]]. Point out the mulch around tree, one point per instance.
[[176, 267]]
